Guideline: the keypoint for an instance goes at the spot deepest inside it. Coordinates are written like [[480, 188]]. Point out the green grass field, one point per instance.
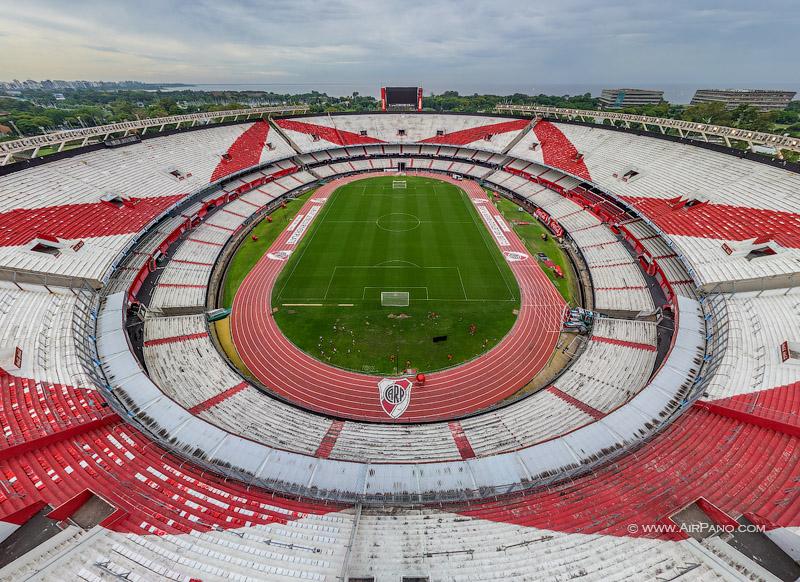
[[426, 240], [531, 235], [250, 251]]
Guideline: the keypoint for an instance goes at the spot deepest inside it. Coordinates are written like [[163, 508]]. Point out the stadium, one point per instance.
[[267, 344]]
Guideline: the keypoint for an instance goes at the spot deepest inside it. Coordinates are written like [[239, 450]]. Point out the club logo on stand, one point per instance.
[[395, 395]]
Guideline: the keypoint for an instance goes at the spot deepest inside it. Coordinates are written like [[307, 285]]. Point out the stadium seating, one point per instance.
[[616, 278], [412, 164], [202, 524], [95, 203], [183, 286], [183, 281], [317, 133], [736, 448], [483, 550], [743, 200], [183, 362], [700, 450], [137, 171], [69, 221], [35, 409], [382, 443], [39, 322], [130, 267], [615, 366], [534, 419], [654, 246], [558, 151], [758, 323], [502, 538]]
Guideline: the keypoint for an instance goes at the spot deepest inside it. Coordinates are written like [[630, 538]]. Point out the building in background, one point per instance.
[[619, 98], [762, 99]]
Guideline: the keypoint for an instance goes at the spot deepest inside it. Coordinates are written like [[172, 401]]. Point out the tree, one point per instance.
[[787, 116], [32, 124], [660, 110], [713, 113], [748, 117], [122, 110]]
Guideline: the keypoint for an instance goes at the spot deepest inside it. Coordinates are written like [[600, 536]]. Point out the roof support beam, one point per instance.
[[681, 127], [59, 139]]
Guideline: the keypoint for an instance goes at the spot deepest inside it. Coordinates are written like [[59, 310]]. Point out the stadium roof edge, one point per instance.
[[11, 151], [686, 129], [19, 154]]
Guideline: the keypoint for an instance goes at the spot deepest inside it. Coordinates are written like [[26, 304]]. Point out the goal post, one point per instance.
[[394, 298], [399, 185]]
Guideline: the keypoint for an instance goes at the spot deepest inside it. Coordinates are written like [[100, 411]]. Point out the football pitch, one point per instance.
[[426, 240]]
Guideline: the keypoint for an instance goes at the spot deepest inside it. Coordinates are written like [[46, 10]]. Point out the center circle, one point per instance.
[[398, 222]]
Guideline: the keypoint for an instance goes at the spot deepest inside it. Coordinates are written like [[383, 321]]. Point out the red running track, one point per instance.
[[296, 376]]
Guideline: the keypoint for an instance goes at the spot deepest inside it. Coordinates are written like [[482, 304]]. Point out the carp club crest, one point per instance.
[[395, 395]]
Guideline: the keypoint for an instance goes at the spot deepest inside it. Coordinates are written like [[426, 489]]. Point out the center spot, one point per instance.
[[398, 222]]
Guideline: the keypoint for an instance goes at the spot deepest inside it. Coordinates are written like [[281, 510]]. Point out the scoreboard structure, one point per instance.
[[401, 98]]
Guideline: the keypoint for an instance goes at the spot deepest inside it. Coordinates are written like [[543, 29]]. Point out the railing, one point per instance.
[[463, 495], [717, 324], [51, 427], [46, 280], [751, 407], [10, 149], [84, 322], [686, 129]]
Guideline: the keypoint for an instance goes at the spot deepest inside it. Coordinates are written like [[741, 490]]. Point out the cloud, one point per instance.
[[465, 44], [116, 51]]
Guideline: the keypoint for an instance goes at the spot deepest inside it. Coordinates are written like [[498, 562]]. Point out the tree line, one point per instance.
[[36, 111]]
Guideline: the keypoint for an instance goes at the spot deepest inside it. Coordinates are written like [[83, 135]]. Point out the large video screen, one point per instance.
[[401, 96]]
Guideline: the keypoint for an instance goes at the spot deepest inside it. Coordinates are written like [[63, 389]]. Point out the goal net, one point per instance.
[[394, 298], [398, 184]]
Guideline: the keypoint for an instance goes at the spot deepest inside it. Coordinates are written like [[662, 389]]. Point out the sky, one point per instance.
[[472, 45]]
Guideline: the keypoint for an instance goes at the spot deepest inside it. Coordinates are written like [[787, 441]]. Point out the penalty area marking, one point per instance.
[[384, 266], [403, 264], [408, 265], [317, 304], [364, 293]]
